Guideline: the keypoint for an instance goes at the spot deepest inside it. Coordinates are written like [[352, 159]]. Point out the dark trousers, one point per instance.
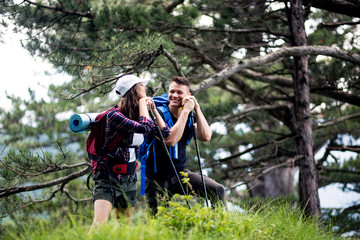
[[163, 190]]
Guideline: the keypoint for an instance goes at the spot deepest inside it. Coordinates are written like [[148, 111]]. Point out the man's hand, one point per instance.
[[189, 103]]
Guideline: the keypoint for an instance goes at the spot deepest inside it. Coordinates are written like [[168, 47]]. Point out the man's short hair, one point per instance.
[[181, 80]]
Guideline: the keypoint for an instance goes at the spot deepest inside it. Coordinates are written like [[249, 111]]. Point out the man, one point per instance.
[[161, 179]]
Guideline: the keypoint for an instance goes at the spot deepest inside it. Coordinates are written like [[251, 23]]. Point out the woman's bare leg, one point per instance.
[[102, 209]]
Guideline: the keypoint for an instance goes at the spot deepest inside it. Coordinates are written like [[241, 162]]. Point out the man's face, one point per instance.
[[176, 94]]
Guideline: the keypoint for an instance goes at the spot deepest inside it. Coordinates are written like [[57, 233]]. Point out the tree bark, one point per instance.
[[308, 182]]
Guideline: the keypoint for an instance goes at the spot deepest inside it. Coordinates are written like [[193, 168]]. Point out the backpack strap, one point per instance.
[[144, 150], [95, 139], [113, 142], [173, 151]]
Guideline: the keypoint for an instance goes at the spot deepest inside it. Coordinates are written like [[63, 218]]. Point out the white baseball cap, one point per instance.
[[126, 82]]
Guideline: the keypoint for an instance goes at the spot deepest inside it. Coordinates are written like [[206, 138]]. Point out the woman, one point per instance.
[[113, 187]]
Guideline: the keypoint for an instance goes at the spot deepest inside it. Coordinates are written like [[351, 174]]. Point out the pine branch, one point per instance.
[[281, 53], [246, 112], [338, 24], [290, 162], [41, 166], [53, 194], [59, 9], [71, 96], [173, 5], [26, 204], [78, 49], [235, 186], [323, 159], [244, 30], [273, 142], [256, 75], [144, 61], [346, 7], [356, 2], [354, 208], [337, 121], [258, 172], [75, 199], [325, 180], [287, 162], [174, 61], [344, 148], [340, 170], [247, 91], [282, 81], [254, 162], [14, 138], [336, 94], [10, 191], [55, 168]]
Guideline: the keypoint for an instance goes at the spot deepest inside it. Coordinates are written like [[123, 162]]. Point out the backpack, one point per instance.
[[161, 103], [97, 148]]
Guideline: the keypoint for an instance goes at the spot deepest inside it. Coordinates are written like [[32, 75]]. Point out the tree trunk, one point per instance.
[[279, 182], [308, 184]]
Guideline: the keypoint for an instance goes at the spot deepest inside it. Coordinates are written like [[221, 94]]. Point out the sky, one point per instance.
[[20, 71]]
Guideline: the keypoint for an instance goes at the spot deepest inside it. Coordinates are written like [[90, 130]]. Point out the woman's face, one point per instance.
[[140, 90]]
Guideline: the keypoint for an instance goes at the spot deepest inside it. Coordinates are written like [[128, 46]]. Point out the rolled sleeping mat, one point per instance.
[[81, 122]]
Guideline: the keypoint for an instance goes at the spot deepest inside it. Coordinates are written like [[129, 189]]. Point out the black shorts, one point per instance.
[[120, 195]]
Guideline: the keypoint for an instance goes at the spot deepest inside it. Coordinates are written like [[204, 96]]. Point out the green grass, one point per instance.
[[269, 221]]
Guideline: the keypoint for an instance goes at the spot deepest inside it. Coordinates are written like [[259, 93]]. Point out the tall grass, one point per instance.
[[177, 221]]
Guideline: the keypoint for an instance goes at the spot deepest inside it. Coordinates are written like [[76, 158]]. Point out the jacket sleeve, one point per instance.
[[118, 121]]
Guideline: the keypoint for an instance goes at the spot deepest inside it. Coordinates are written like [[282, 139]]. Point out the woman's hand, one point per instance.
[[148, 101]]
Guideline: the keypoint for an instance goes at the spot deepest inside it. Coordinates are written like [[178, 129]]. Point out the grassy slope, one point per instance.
[[178, 222]]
